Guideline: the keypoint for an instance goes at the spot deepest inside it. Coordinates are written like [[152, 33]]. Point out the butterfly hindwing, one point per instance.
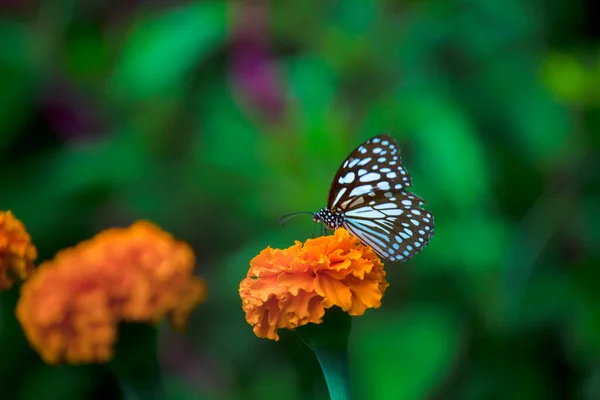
[[392, 223]]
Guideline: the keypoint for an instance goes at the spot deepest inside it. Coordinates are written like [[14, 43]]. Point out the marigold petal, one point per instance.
[[265, 287], [295, 282], [364, 295], [266, 326], [287, 288], [334, 292], [273, 260], [301, 309], [17, 253]]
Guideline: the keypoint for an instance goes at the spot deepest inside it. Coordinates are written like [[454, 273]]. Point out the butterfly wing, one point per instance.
[[373, 166], [369, 190], [392, 223]]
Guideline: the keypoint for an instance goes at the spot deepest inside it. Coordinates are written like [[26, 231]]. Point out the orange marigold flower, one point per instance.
[[293, 287], [16, 251], [70, 308]]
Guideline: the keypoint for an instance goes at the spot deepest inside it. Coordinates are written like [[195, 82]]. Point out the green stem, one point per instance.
[[329, 342], [135, 365], [337, 374]]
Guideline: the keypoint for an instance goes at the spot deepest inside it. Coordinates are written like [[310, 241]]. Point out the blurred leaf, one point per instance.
[[229, 147], [162, 48], [539, 125], [468, 243], [268, 381], [15, 97], [549, 299], [51, 382], [87, 55], [313, 87], [565, 77], [58, 182], [356, 17], [16, 79], [448, 152], [15, 41], [177, 389], [403, 356], [584, 317]]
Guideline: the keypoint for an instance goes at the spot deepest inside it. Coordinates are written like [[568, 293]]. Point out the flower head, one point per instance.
[[16, 251], [71, 306], [293, 287]]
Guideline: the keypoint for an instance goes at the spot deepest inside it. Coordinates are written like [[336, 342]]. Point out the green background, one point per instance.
[[213, 119]]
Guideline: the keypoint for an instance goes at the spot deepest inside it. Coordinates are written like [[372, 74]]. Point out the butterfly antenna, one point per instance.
[[287, 217]]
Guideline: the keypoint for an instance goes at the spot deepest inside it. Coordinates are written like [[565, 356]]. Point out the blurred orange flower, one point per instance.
[[16, 251], [71, 306], [293, 287]]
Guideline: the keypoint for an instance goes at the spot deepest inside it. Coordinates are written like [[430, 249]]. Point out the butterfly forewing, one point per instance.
[[374, 166], [369, 191]]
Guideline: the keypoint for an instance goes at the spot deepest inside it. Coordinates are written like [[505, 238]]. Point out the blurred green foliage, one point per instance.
[[212, 119]]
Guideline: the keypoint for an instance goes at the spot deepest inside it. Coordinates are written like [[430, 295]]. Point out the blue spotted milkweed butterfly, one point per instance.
[[368, 198]]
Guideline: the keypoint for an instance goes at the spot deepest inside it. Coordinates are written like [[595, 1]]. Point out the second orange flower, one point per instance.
[[71, 307]]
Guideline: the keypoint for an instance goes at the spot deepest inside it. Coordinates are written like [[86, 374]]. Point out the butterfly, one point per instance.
[[369, 198]]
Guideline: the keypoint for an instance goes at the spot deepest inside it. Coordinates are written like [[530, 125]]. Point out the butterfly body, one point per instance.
[[368, 197], [330, 219]]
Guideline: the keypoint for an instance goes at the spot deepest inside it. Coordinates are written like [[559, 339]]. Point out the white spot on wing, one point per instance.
[[370, 177], [339, 195], [383, 185], [385, 206], [364, 161], [395, 211], [361, 190], [349, 178], [365, 212]]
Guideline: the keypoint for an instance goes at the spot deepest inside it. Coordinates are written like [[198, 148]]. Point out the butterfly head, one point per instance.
[[331, 220]]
